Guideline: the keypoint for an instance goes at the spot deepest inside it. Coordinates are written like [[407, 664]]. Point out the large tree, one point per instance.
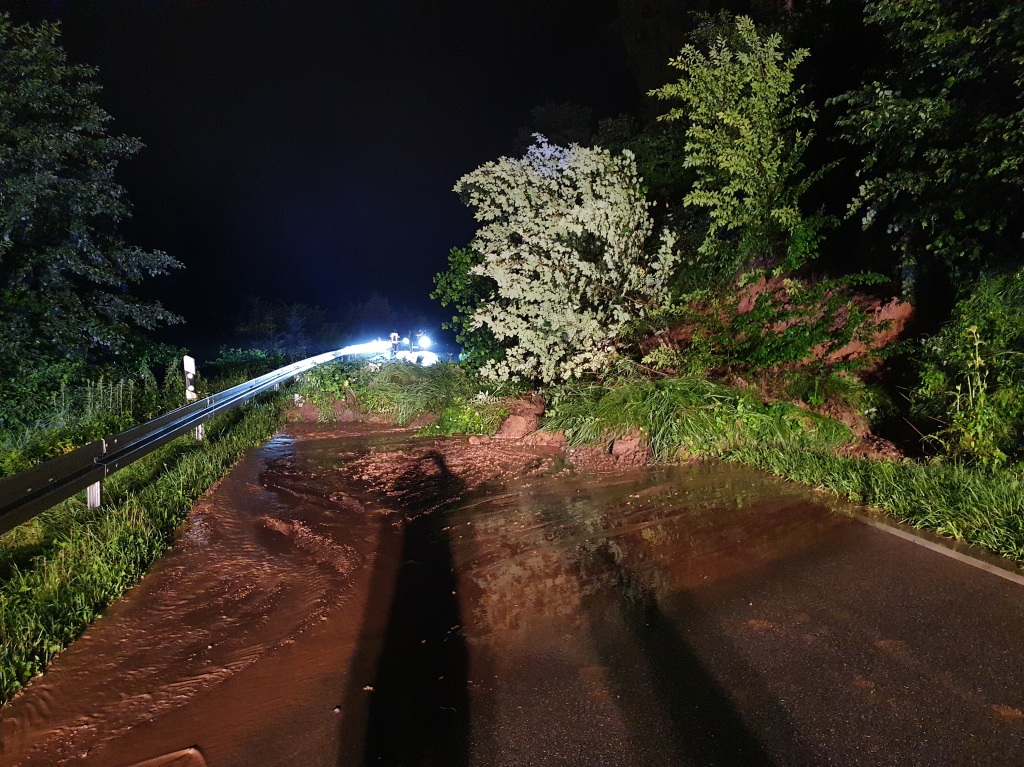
[[565, 253], [65, 269], [942, 130]]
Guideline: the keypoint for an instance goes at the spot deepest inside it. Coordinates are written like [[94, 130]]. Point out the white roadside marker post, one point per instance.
[[190, 389], [93, 495]]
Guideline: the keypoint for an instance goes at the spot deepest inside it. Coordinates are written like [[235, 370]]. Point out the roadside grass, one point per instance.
[[463, 402], [75, 416], [981, 506], [61, 569], [692, 417], [679, 416]]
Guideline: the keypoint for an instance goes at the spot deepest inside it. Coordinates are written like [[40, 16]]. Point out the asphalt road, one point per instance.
[[353, 597]]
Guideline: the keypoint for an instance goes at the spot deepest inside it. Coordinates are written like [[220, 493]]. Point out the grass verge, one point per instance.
[[463, 402], [695, 417], [59, 570]]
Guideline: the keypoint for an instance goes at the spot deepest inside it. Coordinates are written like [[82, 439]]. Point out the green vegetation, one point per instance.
[[76, 416], [742, 114], [972, 375], [64, 267], [62, 568], [567, 281], [692, 417], [464, 402], [940, 131], [972, 504], [465, 291], [768, 314], [688, 416]]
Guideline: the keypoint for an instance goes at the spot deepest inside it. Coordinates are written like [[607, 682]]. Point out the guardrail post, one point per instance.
[[94, 495], [190, 389]]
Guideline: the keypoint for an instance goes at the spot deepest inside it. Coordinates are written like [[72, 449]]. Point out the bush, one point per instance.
[[689, 416], [971, 392], [465, 402], [762, 325], [564, 240], [79, 414]]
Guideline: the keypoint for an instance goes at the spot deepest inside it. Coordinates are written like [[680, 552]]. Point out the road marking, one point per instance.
[[946, 550]]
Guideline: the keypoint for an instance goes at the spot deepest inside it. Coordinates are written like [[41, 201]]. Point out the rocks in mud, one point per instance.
[[517, 427], [522, 421], [630, 450]]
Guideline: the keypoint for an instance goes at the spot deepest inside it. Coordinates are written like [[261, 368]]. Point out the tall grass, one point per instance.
[[698, 418], [980, 506], [688, 415], [58, 571], [463, 402], [74, 416]]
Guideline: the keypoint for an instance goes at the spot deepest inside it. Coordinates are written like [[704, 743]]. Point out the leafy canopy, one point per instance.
[[742, 114], [563, 235], [65, 271], [466, 292], [943, 134]]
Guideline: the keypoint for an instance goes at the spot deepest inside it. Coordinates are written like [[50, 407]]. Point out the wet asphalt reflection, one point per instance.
[[361, 596]]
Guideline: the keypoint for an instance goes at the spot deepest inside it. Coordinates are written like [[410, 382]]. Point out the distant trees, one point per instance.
[[291, 330], [65, 270], [564, 238]]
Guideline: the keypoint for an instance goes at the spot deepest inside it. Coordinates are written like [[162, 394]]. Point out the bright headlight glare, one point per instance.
[[424, 342]]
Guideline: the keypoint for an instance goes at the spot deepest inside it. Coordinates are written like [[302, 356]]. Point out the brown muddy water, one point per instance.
[[357, 595]]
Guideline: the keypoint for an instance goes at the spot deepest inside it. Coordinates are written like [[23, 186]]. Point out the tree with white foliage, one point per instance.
[[565, 237]]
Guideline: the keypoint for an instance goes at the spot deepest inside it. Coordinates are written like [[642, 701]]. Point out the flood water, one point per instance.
[[357, 595]]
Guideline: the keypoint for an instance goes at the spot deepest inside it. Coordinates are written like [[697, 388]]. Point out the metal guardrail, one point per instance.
[[25, 495]]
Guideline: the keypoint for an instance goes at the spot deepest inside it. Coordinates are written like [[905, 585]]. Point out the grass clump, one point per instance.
[[690, 416], [463, 402], [59, 570], [972, 504], [77, 415]]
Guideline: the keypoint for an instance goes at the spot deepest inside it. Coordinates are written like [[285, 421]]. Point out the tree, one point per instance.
[[65, 271], [943, 135], [563, 237], [742, 114], [467, 292]]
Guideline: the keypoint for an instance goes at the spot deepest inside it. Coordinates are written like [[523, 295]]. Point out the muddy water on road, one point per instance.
[[356, 596]]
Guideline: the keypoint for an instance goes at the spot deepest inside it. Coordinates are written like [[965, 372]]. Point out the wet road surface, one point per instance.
[[360, 596]]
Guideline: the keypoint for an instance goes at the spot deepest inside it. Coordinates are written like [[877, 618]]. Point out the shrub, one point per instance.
[[761, 326], [690, 416], [971, 390], [563, 239]]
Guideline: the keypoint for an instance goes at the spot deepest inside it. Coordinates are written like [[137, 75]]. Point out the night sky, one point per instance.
[[306, 151]]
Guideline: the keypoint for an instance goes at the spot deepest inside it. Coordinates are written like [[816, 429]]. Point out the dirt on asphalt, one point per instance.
[[355, 594]]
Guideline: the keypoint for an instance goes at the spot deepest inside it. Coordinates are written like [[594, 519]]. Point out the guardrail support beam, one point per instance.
[[94, 495]]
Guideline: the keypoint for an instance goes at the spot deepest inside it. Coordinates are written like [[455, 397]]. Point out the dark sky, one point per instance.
[[305, 151]]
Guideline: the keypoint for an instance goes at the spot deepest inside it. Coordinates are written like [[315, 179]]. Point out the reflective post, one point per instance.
[[190, 389]]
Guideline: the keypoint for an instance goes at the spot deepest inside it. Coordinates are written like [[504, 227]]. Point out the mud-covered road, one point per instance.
[[357, 595]]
